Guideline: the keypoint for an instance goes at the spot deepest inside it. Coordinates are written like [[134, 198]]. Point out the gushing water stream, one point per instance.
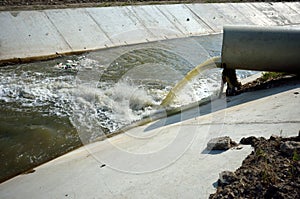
[[209, 64]]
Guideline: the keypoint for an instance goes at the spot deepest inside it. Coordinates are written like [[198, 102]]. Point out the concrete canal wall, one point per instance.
[[38, 34]]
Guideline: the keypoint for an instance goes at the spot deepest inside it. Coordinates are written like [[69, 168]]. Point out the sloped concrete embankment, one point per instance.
[[171, 152], [30, 35]]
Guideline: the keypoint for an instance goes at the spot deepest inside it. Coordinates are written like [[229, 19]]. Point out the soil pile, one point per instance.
[[272, 170], [262, 83]]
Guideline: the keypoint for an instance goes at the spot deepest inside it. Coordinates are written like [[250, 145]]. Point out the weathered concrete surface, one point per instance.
[[38, 34], [29, 34], [167, 158]]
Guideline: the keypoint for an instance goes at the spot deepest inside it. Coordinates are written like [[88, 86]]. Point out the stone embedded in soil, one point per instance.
[[289, 147], [268, 172], [249, 140], [220, 143], [226, 177]]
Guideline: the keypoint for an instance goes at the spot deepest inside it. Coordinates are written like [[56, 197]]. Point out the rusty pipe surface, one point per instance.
[[261, 48]]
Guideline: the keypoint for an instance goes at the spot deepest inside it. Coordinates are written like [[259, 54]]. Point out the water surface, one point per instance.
[[49, 108]]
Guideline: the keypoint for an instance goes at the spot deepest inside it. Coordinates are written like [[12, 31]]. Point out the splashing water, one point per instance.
[[45, 105], [209, 64]]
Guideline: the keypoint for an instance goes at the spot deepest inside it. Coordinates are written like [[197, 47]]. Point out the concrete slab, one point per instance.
[[79, 29], [295, 26], [210, 15], [273, 14], [156, 22], [233, 15], [184, 19], [293, 5], [45, 33], [28, 34], [120, 25], [170, 152], [254, 15], [289, 13]]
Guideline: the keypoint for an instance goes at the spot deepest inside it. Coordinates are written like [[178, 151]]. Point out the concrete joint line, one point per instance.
[[200, 18], [139, 20], [279, 21], [278, 11], [251, 7], [99, 26], [285, 3], [237, 10], [58, 31], [170, 20]]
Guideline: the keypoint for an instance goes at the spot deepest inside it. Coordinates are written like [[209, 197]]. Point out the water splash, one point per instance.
[[209, 64]]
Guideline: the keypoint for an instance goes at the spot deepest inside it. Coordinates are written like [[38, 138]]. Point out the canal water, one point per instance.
[[49, 108]]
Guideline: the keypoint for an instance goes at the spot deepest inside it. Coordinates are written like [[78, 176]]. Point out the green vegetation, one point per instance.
[[268, 174], [271, 75], [296, 156], [260, 153]]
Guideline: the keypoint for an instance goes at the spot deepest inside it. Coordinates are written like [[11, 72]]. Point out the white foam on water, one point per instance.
[[204, 85], [111, 108], [73, 89], [89, 107]]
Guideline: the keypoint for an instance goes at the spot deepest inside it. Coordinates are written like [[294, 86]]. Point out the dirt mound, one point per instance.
[[261, 83], [272, 170]]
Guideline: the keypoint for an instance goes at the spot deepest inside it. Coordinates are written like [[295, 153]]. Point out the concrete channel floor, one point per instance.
[[166, 158]]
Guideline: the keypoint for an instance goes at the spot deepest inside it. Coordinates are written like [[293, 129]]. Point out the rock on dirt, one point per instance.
[[272, 170], [289, 147], [226, 177]]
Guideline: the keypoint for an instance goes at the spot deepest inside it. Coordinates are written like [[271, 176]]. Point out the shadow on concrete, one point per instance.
[[226, 102], [215, 184], [212, 152]]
